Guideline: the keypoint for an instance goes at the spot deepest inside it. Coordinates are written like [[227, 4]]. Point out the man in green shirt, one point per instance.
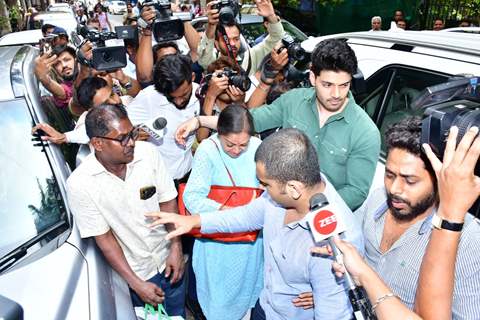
[[346, 139]]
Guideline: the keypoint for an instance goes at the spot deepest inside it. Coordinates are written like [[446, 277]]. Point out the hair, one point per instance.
[[438, 19], [88, 89], [334, 55], [235, 118], [277, 90], [66, 48], [171, 72], [235, 24], [223, 62], [377, 18], [161, 45], [405, 135], [289, 155], [47, 26], [98, 122]]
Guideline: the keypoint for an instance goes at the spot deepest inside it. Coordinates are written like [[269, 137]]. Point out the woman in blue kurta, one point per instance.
[[229, 276]]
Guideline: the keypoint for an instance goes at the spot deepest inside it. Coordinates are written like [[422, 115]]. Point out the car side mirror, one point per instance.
[[359, 85], [10, 310]]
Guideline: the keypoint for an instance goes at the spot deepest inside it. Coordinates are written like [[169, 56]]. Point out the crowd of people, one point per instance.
[[233, 122]]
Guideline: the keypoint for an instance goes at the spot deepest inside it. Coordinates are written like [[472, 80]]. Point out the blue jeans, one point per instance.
[[257, 312], [174, 295]]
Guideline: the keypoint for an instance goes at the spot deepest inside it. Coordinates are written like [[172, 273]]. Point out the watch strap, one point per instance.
[[440, 223]]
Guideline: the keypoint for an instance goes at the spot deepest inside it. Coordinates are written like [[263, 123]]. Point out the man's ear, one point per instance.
[[97, 144], [294, 189], [312, 78]]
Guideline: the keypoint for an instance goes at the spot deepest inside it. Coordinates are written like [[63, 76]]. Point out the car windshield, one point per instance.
[[30, 201], [252, 31]]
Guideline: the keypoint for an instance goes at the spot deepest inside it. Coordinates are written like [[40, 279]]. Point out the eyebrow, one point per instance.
[[234, 142], [401, 174]]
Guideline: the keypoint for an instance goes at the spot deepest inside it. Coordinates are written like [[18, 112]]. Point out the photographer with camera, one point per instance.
[[145, 60], [222, 36], [225, 83]]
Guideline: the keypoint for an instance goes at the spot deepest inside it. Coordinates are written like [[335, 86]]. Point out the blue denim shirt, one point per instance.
[[289, 268]]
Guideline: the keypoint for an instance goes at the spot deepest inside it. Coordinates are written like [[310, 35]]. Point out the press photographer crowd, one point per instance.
[[230, 181]]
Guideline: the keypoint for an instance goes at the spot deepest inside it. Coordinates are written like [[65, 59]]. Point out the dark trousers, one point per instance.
[[174, 295], [257, 312]]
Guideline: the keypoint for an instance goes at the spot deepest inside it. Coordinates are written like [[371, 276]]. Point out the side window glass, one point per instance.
[[376, 85], [406, 87], [62, 121]]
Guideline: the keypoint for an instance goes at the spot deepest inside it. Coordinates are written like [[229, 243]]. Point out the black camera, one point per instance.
[[228, 10], [294, 49], [239, 80], [455, 103], [108, 52], [166, 26]]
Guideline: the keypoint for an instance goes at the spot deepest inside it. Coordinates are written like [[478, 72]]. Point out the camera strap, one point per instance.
[[223, 34]]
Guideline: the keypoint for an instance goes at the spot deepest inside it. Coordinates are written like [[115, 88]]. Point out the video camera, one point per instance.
[[228, 10], [455, 103], [166, 26], [109, 51]]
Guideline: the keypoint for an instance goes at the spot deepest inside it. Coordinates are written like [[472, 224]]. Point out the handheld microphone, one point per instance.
[[155, 128], [324, 224]]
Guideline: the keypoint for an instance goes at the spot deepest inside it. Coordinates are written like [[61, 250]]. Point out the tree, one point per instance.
[[5, 26]]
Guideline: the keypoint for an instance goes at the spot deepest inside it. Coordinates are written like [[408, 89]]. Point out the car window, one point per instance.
[[252, 31], [30, 200], [62, 121], [388, 104]]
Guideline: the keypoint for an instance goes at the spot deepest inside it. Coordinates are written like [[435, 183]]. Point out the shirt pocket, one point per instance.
[[335, 153]]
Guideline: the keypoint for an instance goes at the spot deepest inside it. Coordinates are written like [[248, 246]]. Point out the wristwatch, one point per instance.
[[440, 223]]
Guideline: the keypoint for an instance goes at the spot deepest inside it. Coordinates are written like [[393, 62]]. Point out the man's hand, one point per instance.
[[212, 14], [185, 129], [217, 85], [149, 292], [175, 265], [265, 9], [304, 300], [182, 224], [148, 14], [43, 65], [52, 135], [236, 94], [458, 186], [279, 60], [119, 75], [352, 260], [87, 50]]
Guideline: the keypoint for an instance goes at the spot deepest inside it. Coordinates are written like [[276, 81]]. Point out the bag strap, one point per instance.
[[228, 171]]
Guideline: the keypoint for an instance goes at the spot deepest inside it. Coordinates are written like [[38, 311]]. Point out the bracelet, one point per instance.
[[381, 299]]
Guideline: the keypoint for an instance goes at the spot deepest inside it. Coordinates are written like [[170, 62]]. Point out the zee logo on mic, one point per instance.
[[325, 222]]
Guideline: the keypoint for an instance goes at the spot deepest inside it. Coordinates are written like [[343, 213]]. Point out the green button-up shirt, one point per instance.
[[348, 144]]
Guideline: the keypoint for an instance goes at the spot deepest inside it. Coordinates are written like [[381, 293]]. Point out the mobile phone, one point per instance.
[[46, 44], [147, 192]]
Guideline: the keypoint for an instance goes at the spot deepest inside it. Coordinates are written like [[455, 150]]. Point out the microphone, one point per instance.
[[155, 128], [324, 224]]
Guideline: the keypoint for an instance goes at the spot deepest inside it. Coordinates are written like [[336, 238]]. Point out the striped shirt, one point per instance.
[[399, 267]]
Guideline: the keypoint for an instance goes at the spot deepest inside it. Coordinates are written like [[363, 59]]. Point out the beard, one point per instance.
[[68, 78], [415, 210], [183, 105]]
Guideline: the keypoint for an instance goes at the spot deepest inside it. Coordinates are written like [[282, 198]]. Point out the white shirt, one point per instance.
[[149, 105], [79, 133], [101, 201]]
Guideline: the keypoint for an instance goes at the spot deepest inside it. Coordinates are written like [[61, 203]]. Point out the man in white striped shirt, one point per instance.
[[398, 219]]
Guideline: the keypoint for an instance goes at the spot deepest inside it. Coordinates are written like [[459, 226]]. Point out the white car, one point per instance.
[[60, 7], [60, 19], [117, 7], [21, 37], [398, 66]]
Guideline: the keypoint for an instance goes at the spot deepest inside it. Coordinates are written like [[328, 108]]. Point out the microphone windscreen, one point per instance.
[[160, 123], [317, 200]]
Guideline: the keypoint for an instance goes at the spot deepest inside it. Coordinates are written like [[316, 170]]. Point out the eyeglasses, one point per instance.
[[133, 134]]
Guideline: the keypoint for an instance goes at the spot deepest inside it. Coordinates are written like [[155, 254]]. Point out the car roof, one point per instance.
[[245, 19], [463, 29], [21, 37], [459, 42]]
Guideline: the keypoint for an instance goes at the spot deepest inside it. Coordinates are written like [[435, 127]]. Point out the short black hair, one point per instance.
[[235, 24], [87, 90], [405, 135], [235, 118], [171, 72], [161, 45], [98, 122], [334, 55], [47, 26], [289, 155]]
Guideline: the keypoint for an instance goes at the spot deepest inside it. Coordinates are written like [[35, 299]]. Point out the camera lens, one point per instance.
[[241, 82], [227, 16], [106, 57], [296, 52]]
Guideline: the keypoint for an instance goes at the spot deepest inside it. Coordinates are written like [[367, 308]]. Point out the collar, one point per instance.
[[301, 223], [95, 167]]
